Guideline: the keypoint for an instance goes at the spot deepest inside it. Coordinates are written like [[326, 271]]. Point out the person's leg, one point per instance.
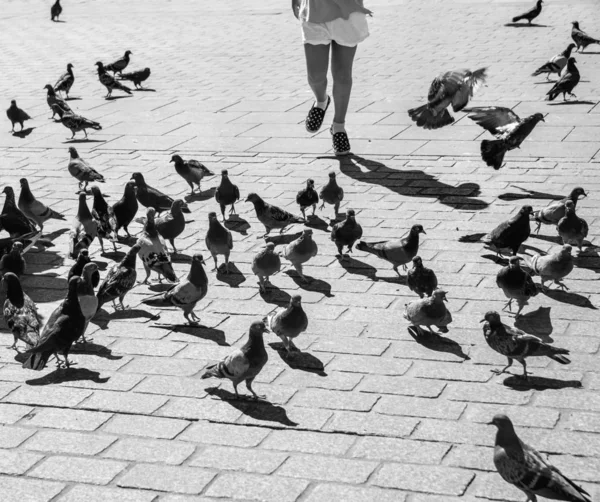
[[317, 63], [342, 58]]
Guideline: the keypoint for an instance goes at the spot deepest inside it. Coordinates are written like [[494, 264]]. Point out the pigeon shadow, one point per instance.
[[547, 238], [180, 258], [529, 194], [537, 322], [539, 383], [588, 53], [114, 98], [200, 196], [259, 409], [299, 360], [237, 224], [161, 287], [144, 89], [113, 255], [526, 25], [94, 349], [73, 99], [233, 278], [127, 240], [545, 82], [569, 298], [59, 21], [498, 260], [83, 140], [574, 102], [357, 267], [23, 133], [68, 375], [311, 284], [317, 223], [470, 238], [275, 295], [460, 197], [103, 317], [197, 331], [588, 259], [282, 239], [437, 343], [57, 292]]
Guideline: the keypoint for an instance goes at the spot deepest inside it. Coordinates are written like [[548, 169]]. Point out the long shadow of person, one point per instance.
[[460, 197]]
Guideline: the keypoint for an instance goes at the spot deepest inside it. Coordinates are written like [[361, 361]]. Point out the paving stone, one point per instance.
[[308, 442], [29, 490], [224, 434], [152, 427], [123, 402], [239, 459], [91, 493], [420, 407], [166, 478], [16, 462], [400, 450], [237, 486], [78, 469], [57, 441], [455, 432], [327, 468], [11, 436], [12, 413], [69, 419], [335, 400], [353, 494], [372, 424], [150, 450]]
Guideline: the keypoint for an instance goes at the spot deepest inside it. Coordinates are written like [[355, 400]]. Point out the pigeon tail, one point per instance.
[[492, 152], [547, 68], [426, 118], [37, 361], [166, 269], [218, 370], [559, 358], [518, 18]]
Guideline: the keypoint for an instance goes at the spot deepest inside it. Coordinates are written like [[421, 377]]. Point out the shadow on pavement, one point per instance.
[[539, 383], [437, 343], [299, 360], [68, 375], [537, 322]]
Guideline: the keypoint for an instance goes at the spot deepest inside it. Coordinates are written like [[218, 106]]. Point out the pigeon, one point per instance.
[[20, 313], [104, 217], [571, 228], [55, 11], [227, 194], [186, 294], [271, 216], [76, 123], [346, 233], [397, 252], [66, 81], [52, 99], [308, 197], [522, 466], [509, 129], [288, 322], [35, 210], [332, 194], [172, 224], [450, 88], [16, 115], [153, 251], [119, 65], [429, 311], [191, 171], [125, 209], [565, 84], [245, 363], [28, 240], [137, 77], [516, 344], [148, 196], [531, 14], [13, 261], [65, 326], [551, 267], [581, 38], [83, 258], [552, 214], [12, 220], [420, 279], [218, 240], [300, 250], [510, 234], [119, 280], [109, 81], [265, 264], [556, 64], [516, 284], [88, 303], [84, 229]]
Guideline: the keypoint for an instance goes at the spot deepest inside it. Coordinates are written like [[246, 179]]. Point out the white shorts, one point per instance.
[[349, 32]]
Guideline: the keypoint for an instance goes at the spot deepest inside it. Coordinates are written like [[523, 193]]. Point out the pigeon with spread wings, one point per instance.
[[509, 129], [450, 88]]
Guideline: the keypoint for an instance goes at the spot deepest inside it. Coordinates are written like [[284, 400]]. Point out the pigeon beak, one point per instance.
[[171, 161], [423, 232], [543, 119], [247, 200], [445, 299], [585, 194], [483, 320]]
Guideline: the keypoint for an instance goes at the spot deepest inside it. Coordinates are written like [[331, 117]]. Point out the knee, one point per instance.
[[317, 78], [341, 76]]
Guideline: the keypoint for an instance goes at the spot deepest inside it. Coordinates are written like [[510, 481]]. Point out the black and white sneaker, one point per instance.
[[314, 119]]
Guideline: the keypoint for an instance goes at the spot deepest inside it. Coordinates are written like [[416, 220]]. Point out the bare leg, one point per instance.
[[317, 63], [342, 58]]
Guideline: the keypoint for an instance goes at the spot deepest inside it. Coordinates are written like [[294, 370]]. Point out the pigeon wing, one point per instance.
[[495, 119]]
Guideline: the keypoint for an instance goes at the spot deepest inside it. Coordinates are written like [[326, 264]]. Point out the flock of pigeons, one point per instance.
[[23, 220]]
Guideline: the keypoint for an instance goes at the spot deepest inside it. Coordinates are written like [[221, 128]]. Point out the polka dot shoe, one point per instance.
[[314, 119], [341, 144]]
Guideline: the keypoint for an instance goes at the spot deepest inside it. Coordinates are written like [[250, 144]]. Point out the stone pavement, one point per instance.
[[389, 417]]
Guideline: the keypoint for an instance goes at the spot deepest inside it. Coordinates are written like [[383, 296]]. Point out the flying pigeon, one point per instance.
[[522, 466], [82, 171], [76, 123], [218, 240], [191, 171], [429, 311], [65, 81], [510, 234], [34, 209], [531, 14], [84, 229], [16, 115], [581, 38], [287, 323], [300, 250], [307, 197], [552, 213], [13, 261], [125, 208], [332, 194], [137, 77], [420, 279], [450, 88], [346, 233], [265, 264], [20, 313], [245, 363], [516, 284], [397, 252], [109, 81], [153, 251], [52, 99], [565, 84], [105, 219], [148, 196], [55, 11], [119, 280], [271, 216], [556, 64], [187, 293], [120, 64], [550, 267], [509, 129], [226, 194], [571, 228]]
